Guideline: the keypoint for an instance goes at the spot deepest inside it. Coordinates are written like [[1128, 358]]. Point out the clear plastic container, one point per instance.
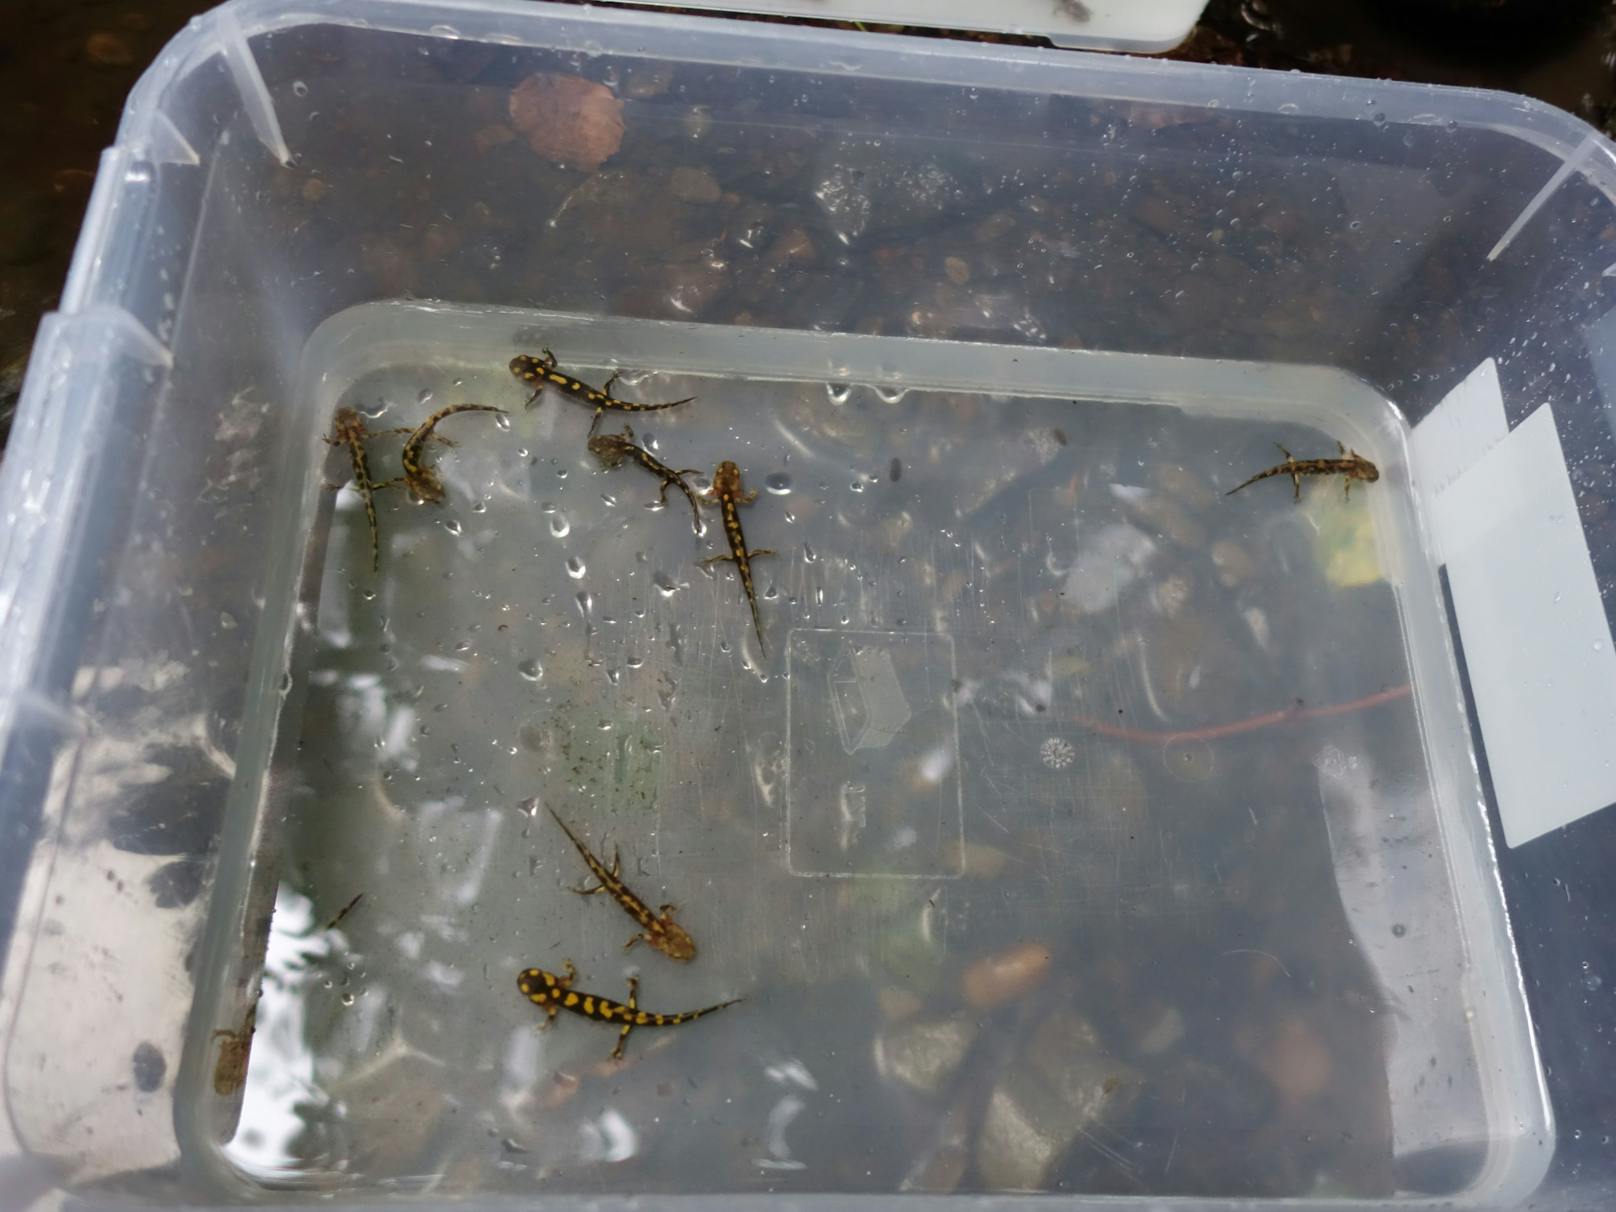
[[1066, 825], [1130, 25]]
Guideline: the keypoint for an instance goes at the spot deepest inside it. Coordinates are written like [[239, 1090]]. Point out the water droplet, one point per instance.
[[348, 999], [809, 555], [286, 682], [586, 603], [664, 584], [575, 568], [561, 528], [530, 806], [838, 392], [424, 396], [479, 507], [452, 525], [890, 395], [299, 89], [503, 420], [634, 662], [779, 484], [856, 485], [530, 669], [227, 622], [614, 676]]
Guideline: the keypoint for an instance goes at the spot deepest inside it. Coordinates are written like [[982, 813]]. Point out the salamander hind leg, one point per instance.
[[633, 1004]]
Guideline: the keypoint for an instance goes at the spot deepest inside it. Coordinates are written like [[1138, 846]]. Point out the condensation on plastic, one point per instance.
[[156, 418]]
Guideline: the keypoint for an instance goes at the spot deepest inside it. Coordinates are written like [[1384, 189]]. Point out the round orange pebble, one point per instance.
[[567, 119], [1005, 975]]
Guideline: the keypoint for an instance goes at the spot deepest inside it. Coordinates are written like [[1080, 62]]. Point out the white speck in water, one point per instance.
[[575, 568], [779, 484], [227, 622], [561, 528], [299, 89], [452, 525], [530, 669]]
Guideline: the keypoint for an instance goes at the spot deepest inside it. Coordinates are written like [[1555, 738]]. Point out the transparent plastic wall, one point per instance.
[[282, 163]]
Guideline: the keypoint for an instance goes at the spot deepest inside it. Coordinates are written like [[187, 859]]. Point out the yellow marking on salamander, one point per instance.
[[542, 370], [602, 1009]]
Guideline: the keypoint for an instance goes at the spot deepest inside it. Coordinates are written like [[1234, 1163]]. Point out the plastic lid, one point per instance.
[[1134, 25]]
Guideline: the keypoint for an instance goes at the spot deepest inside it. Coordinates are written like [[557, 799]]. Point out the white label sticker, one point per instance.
[[1536, 639]]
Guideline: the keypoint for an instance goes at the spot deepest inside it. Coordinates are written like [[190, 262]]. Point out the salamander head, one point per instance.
[[674, 942], [726, 480], [537, 985], [610, 448], [347, 422]]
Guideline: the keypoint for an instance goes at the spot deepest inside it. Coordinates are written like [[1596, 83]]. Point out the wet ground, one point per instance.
[[67, 65]]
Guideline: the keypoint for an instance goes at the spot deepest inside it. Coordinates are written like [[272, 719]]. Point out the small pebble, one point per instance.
[[1297, 1061], [923, 1054], [109, 49], [313, 189], [958, 271], [568, 120], [1005, 976], [694, 185], [897, 1003], [487, 138], [1233, 564]]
